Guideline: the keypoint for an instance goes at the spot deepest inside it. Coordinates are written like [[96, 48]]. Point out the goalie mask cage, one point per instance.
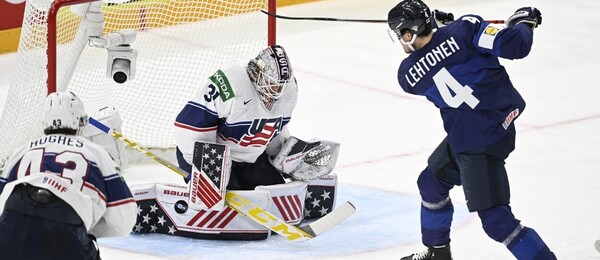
[[179, 44]]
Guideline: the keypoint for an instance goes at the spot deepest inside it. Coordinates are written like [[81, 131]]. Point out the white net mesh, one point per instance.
[[179, 44]]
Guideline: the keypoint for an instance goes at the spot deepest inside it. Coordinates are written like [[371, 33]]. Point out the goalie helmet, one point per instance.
[[412, 15], [271, 73], [63, 111]]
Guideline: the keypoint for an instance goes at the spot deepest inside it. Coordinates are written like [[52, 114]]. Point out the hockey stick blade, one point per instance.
[[330, 220], [332, 19], [232, 200]]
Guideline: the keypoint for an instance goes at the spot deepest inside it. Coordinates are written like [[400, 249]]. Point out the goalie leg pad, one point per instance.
[[111, 118], [211, 168], [287, 200], [320, 196], [163, 209]]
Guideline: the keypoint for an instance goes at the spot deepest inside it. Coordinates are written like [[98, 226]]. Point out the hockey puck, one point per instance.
[[181, 206]]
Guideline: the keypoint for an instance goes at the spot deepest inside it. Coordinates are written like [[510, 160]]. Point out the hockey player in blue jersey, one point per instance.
[[456, 67]]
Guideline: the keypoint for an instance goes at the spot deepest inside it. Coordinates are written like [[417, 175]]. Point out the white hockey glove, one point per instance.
[[305, 161], [110, 117]]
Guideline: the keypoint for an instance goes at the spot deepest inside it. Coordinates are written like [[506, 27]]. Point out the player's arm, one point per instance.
[[121, 211], [8, 171], [513, 41], [4, 175], [198, 120], [276, 143]]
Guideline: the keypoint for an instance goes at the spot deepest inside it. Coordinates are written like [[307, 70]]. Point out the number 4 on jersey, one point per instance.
[[445, 82]]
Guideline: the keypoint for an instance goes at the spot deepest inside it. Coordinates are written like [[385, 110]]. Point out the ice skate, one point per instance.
[[431, 253]]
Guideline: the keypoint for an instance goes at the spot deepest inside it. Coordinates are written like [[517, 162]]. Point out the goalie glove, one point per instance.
[[303, 161]]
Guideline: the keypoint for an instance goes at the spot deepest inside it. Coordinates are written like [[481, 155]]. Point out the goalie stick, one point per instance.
[[244, 206], [331, 19]]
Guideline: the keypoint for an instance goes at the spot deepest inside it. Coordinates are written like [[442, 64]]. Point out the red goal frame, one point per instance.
[[51, 37]]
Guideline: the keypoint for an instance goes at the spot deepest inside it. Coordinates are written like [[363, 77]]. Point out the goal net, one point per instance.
[[179, 43]]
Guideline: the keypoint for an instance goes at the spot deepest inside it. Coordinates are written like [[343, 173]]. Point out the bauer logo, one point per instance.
[[222, 83]]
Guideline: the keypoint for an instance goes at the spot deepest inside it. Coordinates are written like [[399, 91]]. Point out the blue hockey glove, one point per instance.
[[529, 15], [441, 19]]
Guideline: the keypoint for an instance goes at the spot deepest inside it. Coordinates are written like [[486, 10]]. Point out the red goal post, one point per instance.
[[178, 44], [52, 18]]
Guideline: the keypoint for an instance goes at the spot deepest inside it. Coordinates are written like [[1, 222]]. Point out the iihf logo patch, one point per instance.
[[511, 116]]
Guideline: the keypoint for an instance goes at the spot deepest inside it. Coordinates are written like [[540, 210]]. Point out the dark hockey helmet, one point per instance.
[[413, 15]]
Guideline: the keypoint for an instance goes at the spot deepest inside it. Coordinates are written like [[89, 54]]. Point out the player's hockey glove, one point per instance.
[[442, 17], [528, 15]]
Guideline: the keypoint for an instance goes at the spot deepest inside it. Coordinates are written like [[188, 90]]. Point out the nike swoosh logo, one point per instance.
[[247, 101]]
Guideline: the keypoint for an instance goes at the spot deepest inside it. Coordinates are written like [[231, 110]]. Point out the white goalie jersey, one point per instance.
[[228, 110]]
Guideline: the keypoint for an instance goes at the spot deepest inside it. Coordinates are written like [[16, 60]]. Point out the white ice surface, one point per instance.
[[348, 92]]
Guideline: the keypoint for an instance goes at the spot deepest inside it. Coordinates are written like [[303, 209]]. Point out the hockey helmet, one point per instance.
[[413, 15], [64, 110], [271, 72]]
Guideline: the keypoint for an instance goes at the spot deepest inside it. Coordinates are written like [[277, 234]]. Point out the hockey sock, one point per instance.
[[436, 209], [529, 245], [524, 243]]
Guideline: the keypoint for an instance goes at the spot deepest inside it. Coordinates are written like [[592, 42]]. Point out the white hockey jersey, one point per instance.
[[79, 172], [228, 110]]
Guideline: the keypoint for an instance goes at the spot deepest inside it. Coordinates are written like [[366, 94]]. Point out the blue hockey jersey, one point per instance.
[[459, 71]]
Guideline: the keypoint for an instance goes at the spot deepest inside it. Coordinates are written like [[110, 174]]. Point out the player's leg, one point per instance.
[[524, 243], [183, 164], [42, 227], [486, 188], [434, 185], [246, 176]]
